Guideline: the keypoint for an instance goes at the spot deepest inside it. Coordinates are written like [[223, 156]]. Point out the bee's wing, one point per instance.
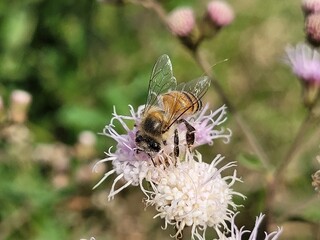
[[161, 80], [197, 87]]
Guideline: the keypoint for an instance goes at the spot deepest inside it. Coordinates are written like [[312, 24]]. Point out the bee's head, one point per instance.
[[147, 143]]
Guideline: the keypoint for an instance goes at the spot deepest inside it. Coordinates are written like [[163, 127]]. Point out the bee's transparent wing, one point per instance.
[[197, 87], [161, 80]]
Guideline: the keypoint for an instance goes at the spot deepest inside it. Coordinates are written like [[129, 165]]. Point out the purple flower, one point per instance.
[[304, 62], [133, 166]]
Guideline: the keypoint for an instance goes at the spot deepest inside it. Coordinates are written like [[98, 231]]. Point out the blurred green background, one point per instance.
[[78, 59]]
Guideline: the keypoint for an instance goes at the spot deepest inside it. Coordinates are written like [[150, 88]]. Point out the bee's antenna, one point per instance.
[[222, 61]]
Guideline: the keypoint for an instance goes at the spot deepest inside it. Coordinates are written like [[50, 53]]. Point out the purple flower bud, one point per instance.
[[181, 21], [312, 29], [220, 13]]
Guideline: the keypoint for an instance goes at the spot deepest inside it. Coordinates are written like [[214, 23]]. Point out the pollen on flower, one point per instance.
[[193, 193]]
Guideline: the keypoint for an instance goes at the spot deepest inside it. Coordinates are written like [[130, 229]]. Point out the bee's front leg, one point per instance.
[[176, 143]]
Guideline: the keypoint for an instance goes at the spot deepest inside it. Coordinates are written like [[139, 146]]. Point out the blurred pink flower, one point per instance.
[[220, 13], [312, 28], [310, 6], [20, 101], [181, 21], [304, 62]]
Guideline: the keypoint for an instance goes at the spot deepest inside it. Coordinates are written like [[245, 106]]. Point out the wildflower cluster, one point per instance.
[[304, 59], [183, 23], [185, 190]]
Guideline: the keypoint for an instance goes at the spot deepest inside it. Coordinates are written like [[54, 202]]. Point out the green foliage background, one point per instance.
[[78, 59]]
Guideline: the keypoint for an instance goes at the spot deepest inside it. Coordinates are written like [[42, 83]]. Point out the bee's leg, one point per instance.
[[139, 151], [154, 164], [176, 143], [190, 135]]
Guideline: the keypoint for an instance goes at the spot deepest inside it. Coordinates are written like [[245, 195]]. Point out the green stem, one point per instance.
[[294, 148], [252, 140], [275, 178]]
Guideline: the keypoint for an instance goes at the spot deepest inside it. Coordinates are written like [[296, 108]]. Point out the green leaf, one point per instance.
[[80, 118], [250, 161]]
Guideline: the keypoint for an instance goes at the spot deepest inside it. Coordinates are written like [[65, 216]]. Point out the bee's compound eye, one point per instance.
[[155, 146], [139, 139]]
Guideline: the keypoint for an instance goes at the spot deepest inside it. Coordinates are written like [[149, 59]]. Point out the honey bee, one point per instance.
[[167, 105]]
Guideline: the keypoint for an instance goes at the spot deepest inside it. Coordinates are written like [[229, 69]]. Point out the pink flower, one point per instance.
[[312, 28], [181, 21], [220, 13], [311, 6], [304, 62], [206, 125]]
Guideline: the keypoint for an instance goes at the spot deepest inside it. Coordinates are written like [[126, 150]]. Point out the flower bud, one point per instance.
[[182, 24], [219, 14], [181, 21], [20, 103], [312, 28], [310, 6]]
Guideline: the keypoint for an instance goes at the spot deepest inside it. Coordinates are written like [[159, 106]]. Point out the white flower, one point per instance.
[[134, 166], [193, 193], [237, 234]]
